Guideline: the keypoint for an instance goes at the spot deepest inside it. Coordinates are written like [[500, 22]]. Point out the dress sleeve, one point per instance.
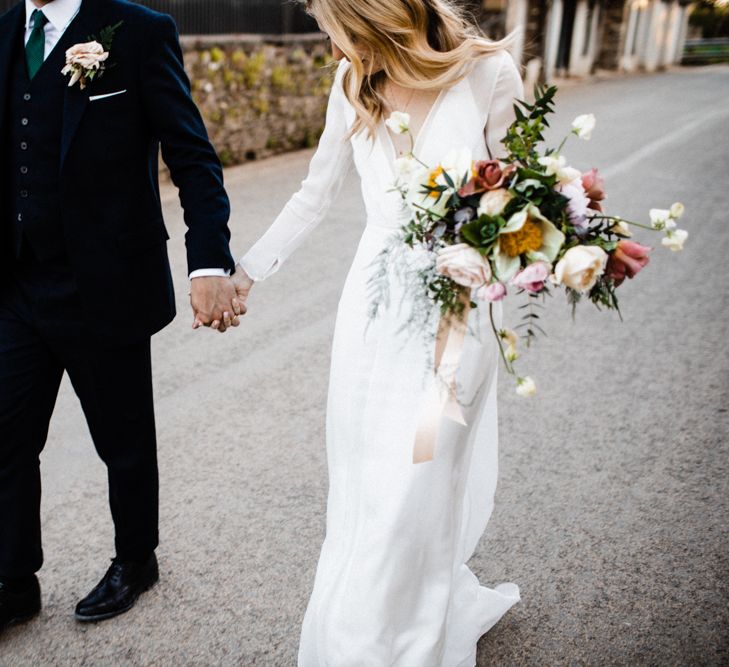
[[308, 207], [501, 83]]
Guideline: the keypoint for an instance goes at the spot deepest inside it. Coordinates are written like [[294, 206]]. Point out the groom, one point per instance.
[[84, 275]]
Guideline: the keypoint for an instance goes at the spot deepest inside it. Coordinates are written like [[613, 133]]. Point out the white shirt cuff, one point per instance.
[[207, 273]]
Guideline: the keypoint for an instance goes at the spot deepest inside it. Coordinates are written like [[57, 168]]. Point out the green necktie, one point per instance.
[[36, 47]]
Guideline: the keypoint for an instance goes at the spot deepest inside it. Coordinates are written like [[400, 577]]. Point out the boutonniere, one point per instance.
[[88, 61]]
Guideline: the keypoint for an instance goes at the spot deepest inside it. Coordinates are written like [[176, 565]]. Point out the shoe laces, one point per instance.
[[116, 570]]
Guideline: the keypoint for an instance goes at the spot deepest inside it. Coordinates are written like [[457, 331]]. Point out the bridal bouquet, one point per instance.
[[527, 222]]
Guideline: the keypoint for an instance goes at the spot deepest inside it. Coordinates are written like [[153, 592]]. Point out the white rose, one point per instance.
[[526, 387], [464, 265], [89, 55], [557, 165], [494, 201], [580, 267], [677, 210], [675, 239], [658, 217], [399, 122], [583, 126]]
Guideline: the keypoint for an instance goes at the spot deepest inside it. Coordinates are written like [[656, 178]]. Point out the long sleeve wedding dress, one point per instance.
[[392, 586]]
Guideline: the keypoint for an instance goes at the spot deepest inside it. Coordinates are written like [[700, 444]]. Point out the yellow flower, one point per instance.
[[529, 237], [433, 181], [528, 233]]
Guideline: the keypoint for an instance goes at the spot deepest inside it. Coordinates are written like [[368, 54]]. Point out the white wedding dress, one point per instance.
[[392, 586]]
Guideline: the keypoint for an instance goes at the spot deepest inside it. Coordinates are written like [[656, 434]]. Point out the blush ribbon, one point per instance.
[[441, 398]]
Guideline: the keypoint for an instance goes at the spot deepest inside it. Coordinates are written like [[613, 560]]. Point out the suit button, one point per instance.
[[24, 121], [24, 170], [23, 146], [26, 97], [24, 194], [20, 217]]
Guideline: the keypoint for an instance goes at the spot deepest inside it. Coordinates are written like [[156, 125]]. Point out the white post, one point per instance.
[[579, 35], [516, 16], [554, 25]]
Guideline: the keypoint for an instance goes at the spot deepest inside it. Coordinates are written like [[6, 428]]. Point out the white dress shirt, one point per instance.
[[60, 13]]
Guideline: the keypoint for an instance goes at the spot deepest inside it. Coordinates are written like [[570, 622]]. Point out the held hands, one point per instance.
[[219, 302]]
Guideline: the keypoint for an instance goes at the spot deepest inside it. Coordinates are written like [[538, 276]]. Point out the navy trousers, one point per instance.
[[42, 333]]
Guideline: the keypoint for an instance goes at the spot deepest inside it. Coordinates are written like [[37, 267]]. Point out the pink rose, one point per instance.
[[487, 175], [492, 292], [627, 260], [533, 277], [594, 186]]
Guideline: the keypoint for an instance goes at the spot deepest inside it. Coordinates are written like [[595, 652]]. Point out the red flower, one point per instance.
[[487, 175], [626, 260], [594, 186]]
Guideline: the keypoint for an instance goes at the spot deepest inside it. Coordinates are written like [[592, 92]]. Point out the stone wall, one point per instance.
[[259, 96]]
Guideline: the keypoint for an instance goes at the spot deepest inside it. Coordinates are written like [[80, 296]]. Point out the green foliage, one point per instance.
[[106, 35], [281, 78], [529, 324], [712, 18], [526, 132], [261, 105], [226, 157], [252, 69], [312, 138], [482, 232], [238, 58]]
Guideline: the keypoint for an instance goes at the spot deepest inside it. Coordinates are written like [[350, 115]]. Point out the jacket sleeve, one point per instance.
[[194, 166], [308, 207]]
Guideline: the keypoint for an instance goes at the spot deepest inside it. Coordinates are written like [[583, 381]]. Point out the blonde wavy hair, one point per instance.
[[416, 44]]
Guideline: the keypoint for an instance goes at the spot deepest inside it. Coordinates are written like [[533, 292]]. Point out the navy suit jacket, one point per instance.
[[111, 212]]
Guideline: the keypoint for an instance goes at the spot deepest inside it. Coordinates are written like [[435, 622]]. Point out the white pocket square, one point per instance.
[[93, 98]]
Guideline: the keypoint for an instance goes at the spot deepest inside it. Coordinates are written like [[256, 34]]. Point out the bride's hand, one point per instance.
[[243, 284]]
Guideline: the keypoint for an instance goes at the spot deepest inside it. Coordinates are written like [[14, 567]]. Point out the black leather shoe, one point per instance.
[[119, 590], [19, 604]]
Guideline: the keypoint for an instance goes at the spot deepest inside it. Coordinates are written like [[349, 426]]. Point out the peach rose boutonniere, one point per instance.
[[88, 61]]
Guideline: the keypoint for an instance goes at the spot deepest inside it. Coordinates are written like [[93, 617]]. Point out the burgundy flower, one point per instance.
[[626, 260]]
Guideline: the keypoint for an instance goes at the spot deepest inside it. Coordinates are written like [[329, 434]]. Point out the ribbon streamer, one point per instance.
[[441, 399]]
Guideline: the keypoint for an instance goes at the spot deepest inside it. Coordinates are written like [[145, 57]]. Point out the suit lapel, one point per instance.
[[12, 26], [90, 21]]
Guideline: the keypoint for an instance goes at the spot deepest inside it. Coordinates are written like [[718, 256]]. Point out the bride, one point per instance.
[[392, 585]]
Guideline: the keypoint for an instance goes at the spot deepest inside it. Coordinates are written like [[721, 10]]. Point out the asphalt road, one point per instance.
[[613, 498]]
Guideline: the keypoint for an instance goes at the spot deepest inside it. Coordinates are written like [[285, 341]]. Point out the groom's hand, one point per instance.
[[215, 303]]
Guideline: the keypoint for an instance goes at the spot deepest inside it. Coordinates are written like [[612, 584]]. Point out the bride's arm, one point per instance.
[[501, 110], [306, 209]]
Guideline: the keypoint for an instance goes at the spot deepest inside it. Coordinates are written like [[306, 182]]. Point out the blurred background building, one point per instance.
[[259, 68], [559, 37], [577, 37]]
